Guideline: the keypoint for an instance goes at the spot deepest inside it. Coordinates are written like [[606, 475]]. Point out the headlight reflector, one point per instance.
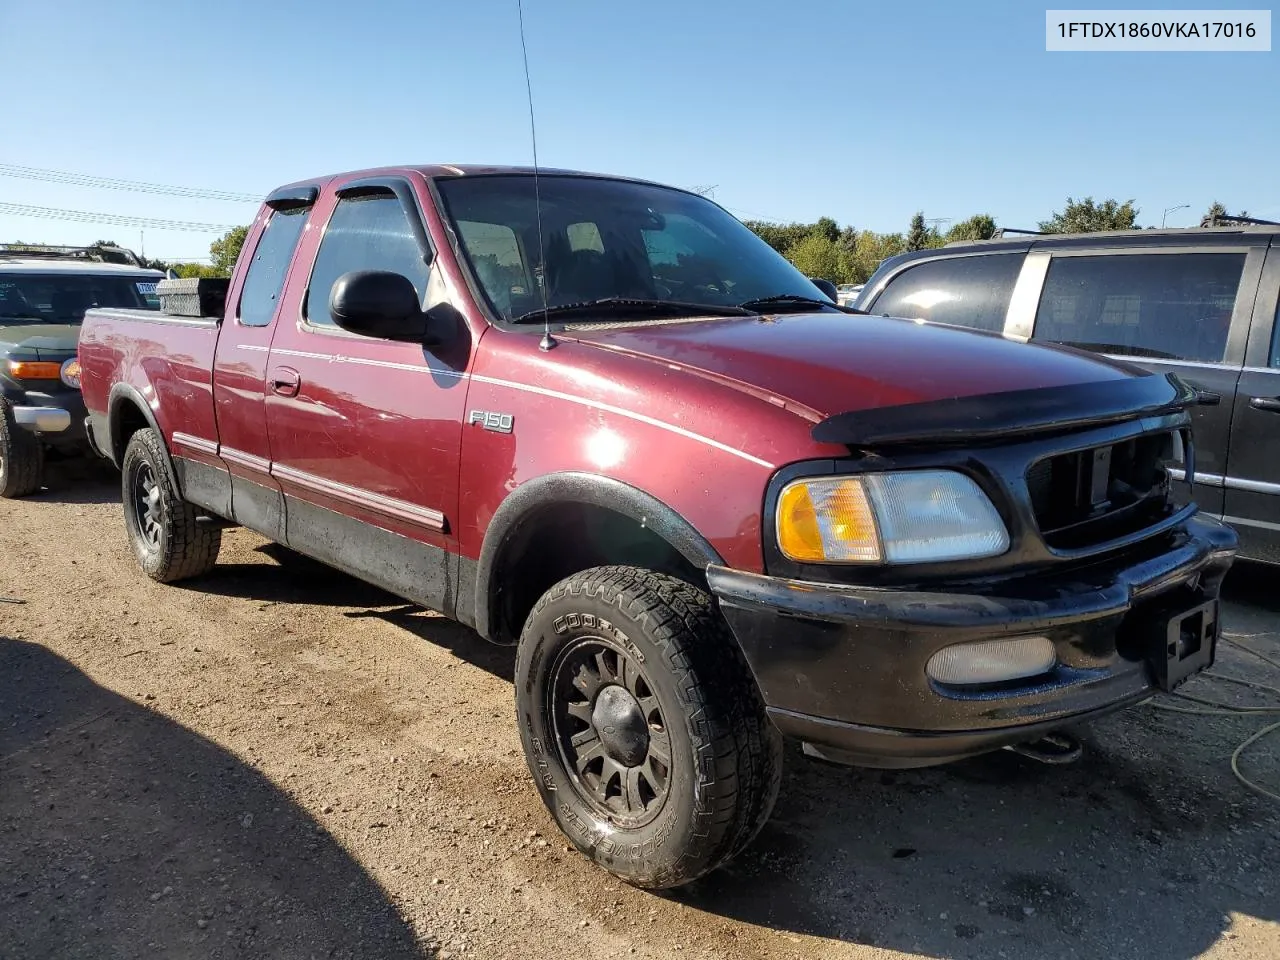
[[913, 516], [70, 373]]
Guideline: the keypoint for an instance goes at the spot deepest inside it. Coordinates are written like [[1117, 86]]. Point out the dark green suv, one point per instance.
[[44, 293]]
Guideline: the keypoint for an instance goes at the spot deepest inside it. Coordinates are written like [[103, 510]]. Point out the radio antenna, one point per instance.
[[547, 341]]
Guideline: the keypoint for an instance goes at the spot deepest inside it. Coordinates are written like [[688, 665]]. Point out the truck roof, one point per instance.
[[433, 170], [17, 264], [1152, 235]]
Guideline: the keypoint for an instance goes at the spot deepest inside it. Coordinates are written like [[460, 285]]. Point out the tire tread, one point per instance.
[[190, 548], [23, 457]]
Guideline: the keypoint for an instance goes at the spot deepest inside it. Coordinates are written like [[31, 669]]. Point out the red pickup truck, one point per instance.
[[601, 420]]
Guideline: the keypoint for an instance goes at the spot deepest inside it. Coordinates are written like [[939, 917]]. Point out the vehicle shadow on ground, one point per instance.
[[1253, 585], [74, 482], [1144, 848], [461, 641], [123, 834], [294, 578]]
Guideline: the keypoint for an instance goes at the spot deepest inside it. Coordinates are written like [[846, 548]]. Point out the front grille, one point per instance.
[[1091, 496]]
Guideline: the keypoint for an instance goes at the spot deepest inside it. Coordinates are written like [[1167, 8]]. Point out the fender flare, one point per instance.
[[120, 393], [585, 488]]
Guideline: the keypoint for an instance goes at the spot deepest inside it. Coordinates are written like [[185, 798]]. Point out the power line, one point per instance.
[[85, 216], [112, 183]]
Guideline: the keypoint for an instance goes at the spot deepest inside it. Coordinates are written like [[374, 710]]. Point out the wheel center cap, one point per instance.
[[621, 725]]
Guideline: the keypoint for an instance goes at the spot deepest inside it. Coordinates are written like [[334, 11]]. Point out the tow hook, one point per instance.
[[1055, 748]]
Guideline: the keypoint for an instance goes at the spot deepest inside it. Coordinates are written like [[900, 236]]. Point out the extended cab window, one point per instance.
[[960, 291], [265, 278], [364, 233], [1175, 306]]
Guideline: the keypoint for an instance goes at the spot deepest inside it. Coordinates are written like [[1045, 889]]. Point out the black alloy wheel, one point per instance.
[[610, 731]]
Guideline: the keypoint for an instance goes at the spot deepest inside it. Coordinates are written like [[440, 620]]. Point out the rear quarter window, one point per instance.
[[1174, 306], [969, 291], [270, 265]]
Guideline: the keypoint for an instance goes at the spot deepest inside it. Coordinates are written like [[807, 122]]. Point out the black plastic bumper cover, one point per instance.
[[843, 666]]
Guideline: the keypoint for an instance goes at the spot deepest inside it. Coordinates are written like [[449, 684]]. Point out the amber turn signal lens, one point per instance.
[[34, 370], [827, 520]]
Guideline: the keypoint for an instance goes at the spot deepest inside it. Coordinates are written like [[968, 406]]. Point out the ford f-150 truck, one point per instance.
[[601, 420]]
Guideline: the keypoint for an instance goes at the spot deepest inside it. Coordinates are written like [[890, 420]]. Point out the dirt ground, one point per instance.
[[279, 761]]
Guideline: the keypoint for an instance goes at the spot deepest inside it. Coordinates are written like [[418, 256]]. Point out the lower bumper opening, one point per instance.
[[854, 745]]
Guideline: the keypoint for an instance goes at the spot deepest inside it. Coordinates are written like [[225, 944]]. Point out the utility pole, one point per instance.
[[1181, 206]]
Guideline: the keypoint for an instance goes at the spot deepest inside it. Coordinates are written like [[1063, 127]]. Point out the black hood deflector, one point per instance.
[[1016, 413]]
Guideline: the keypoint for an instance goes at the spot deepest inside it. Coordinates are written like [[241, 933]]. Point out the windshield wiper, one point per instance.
[[788, 299], [614, 305]]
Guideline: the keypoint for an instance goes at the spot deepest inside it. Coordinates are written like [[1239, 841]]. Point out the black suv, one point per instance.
[[44, 292], [1199, 302]]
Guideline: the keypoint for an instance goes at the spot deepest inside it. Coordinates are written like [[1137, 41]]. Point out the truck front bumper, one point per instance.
[[843, 667], [58, 416], [42, 419]]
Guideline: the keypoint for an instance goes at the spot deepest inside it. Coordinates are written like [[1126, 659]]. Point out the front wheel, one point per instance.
[[21, 457], [164, 530], [642, 725]]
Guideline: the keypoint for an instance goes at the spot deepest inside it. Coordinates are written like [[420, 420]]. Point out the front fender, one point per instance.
[[577, 487]]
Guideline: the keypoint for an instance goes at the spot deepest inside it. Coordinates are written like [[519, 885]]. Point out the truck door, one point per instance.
[[366, 433], [1182, 310], [240, 362], [1253, 467]]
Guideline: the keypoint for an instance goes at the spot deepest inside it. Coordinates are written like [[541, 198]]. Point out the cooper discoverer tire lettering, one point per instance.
[[642, 725], [163, 530]]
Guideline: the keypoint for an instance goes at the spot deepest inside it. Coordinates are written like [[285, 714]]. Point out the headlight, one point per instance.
[[70, 373], [915, 516]]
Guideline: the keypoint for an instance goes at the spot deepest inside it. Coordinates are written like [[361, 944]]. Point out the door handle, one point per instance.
[[285, 381], [1271, 404], [1207, 398]]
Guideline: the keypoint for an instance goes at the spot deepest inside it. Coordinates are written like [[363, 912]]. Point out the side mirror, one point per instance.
[[381, 304], [827, 287]]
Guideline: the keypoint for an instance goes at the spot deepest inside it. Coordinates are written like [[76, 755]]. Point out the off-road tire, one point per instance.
[[179, 547], [726, 756], [21, 457]]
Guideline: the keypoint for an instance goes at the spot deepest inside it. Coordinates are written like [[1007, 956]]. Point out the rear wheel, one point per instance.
[[21, 457], [643, 726], [164, 530]]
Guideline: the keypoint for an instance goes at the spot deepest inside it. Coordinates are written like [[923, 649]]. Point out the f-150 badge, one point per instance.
[[497, 422]]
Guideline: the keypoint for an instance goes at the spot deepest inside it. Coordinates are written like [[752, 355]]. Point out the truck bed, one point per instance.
[[164, 361]]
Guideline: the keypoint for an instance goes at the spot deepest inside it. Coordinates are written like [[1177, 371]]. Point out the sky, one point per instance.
[[864, 112]]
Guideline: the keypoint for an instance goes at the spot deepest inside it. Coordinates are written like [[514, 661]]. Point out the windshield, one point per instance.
[[609, 239], [64, 297]]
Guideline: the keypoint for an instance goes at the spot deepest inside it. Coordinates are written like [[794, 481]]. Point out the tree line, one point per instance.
[[847, 255], [841, 254]]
